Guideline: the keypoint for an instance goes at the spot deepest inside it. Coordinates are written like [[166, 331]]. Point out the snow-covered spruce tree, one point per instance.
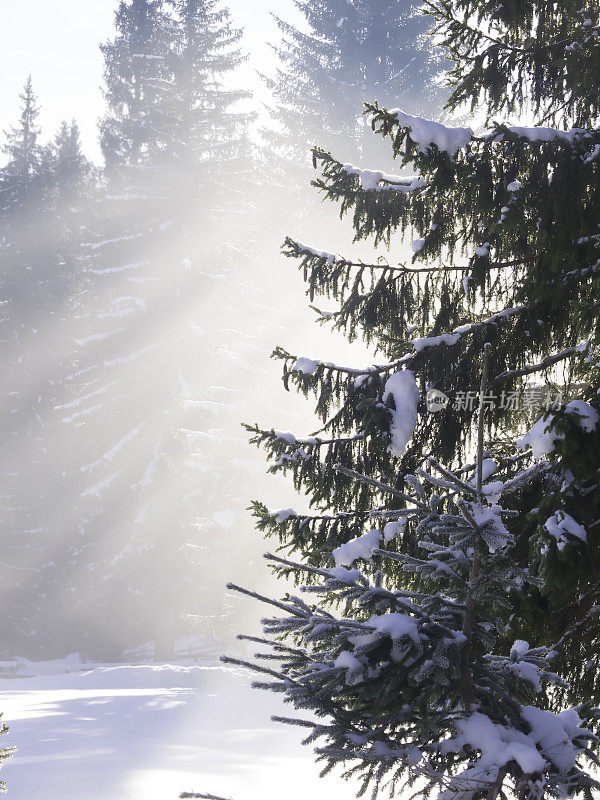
[[414, 687], [504, 228]]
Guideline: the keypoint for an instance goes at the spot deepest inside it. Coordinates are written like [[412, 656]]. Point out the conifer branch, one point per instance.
[[401, 268], [354, 371], [384, 487], [420, 344], [311, 442], [340, 516], [303, 723], [522, 478], [289, 609], [240, 662], [507, 461], [201, 796], [452, 477], [440, 12], [547, 362], [301, 567], [303, 252], [243, 637]]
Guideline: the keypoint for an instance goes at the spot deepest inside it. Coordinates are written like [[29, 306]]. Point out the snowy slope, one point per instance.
[[151, 732]]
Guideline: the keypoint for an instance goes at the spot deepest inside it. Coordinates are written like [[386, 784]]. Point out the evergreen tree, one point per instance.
[[140, 409], [23, 151], [349, 52], [71, 168], [71, 180], [21, 186], [137, 79], [504, 229], [36, 285], [414, 683], [210, 132]]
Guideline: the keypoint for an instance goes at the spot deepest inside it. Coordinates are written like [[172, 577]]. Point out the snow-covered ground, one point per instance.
[[150, 732]]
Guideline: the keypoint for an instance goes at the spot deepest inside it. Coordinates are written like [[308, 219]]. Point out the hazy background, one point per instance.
[[143, 298], [57, 42]]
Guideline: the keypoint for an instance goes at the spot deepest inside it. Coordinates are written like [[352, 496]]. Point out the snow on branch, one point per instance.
[[396, 646], [201, 796], [426, 133], [547, 362], [384, 487], [375, 180], [308, 366], [295, 249]]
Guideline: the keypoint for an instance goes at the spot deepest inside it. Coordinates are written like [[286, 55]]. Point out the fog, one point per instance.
[[143, 292], [58, 42]]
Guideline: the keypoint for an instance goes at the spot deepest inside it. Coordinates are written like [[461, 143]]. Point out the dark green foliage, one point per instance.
[[391, 673], [551, 300], [539, 54], [505, 227]]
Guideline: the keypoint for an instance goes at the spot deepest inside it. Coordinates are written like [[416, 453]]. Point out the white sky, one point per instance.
[[57, 41]]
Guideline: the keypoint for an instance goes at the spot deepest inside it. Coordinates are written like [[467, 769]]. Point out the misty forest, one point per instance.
[[301, 409]]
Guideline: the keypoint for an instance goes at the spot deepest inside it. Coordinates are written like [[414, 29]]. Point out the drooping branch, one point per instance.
[[300, 250], [240, 662], [441, 12], [450, 338], [384, 487], [283, 606], [547, 362]]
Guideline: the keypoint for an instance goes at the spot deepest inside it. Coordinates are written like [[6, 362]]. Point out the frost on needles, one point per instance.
[[410, 680]]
